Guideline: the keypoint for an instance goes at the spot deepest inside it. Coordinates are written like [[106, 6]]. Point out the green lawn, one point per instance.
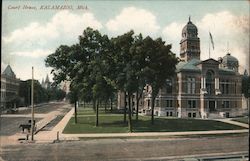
[[111, 123], [242, 120], [90, 111], [108, 124]]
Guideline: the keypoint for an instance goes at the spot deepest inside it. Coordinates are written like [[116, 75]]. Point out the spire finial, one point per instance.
[[189, 18], [227, 47]]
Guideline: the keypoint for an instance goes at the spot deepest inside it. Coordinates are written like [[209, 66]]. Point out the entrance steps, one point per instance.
[[214, 115]]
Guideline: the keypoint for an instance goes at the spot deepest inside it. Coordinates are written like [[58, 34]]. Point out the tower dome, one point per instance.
[[189, 30], [190, 42], [230, 62]]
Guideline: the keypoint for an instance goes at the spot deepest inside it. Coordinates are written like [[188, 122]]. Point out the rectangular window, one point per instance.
[[171, 113], [225, 87], [191, 85], [189, 114], [194, 115], [235, 87], [167, 114], [148, 103], [169, 103], [191, 104], [225, 104], [157, 103]]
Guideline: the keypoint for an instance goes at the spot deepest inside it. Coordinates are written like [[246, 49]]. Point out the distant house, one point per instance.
[[9, 88], [200, 88]]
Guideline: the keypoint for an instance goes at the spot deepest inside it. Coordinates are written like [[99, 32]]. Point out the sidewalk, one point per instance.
[[44, 136], [229, 121]]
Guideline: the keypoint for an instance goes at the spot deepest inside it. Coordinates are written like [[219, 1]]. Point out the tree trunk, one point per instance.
[[138, 97], [125, 108], [111, 105], [129, 114], [152, 109], [97, 114], [105, 107], [75, 112]]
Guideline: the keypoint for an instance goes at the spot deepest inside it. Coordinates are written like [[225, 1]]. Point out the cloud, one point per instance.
[[225, 27], [37, 36], [140, 20], [172, 34], [33, 53]]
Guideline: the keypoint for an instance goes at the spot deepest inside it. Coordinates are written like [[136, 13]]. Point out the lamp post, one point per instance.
[[32, 105]]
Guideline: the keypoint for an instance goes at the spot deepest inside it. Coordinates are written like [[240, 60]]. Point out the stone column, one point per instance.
[[217, 83], [217, 86], [202, 84]]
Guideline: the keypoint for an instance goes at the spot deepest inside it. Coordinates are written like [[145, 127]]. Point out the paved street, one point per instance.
[[10, 125], [129, 149], [47, 116]]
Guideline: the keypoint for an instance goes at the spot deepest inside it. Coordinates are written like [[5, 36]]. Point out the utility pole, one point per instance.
[[32, 105], [209, 50]]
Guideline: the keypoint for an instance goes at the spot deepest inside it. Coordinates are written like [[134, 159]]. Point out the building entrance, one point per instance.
[[211, 106]]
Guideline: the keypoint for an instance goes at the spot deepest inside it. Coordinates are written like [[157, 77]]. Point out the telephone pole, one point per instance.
[[32, 105]]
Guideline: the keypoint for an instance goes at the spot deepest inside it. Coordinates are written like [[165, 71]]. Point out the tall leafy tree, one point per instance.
[[246, 85], [122, 58], [160, 65], [138, 63]]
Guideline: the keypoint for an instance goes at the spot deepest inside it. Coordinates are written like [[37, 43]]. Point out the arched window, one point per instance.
[[210, 82]]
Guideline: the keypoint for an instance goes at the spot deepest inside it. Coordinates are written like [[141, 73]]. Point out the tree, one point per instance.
[[41, 95], [139, 64], [84, 65], [246, 85], [160, 65], [97, 47], [123, 75]]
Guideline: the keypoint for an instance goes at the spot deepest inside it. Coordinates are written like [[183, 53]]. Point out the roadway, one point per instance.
[[9, 123], [131, 149]]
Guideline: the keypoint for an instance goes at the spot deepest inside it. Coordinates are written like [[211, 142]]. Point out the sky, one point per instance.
[[29, 35]]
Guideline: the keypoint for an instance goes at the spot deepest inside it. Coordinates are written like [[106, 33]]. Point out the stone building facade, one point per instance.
[[201, 88], [9, 88]]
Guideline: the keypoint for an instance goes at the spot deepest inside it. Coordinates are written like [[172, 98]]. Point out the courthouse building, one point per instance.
[[201, 88]]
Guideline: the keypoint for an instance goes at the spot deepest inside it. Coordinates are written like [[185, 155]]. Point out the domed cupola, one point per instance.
[[190, 42], [189, 30], [230, 62]]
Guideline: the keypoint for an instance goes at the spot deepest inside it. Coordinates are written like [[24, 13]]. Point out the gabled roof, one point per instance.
[[9, 72], [210, 61], [188, 66]]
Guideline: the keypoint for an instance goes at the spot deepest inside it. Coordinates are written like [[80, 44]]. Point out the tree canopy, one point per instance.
[[98, 66]]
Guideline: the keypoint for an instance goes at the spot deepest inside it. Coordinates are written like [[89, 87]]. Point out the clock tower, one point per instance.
[[190, 42]]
